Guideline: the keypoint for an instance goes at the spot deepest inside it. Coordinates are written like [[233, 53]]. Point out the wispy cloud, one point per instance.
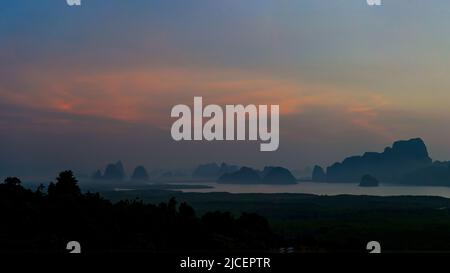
[[147, 95]]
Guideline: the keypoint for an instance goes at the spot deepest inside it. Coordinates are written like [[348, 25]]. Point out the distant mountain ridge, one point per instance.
[[436, 174], [140, 173], [116, 171], [212, 170], [389, 166], [269, 175]]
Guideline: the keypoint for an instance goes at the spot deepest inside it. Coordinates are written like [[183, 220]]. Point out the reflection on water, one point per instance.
[[327, 189]]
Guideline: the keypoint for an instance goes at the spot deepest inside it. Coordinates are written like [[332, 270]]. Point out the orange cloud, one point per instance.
[[147, 95]]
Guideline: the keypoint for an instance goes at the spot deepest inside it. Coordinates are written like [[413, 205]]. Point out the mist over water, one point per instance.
[[327, 189]]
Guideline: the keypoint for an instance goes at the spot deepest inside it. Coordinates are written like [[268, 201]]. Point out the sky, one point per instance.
[[84, 86]]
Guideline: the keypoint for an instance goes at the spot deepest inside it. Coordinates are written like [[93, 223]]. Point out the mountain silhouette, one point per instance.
[[245, 175], [436, 174], [368, 181], [390, 166], [97, 175], [114, 171], [212, 170], [269, 175], [140, 173], [277, 175], [318, 174]]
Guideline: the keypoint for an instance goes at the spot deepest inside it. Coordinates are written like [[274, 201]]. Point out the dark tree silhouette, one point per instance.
[[12, 181], [66, 186], [186, 211], [45, 222]]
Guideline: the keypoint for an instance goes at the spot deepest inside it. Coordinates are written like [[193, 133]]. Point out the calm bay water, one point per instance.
[[301, 187], [326, 189]]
